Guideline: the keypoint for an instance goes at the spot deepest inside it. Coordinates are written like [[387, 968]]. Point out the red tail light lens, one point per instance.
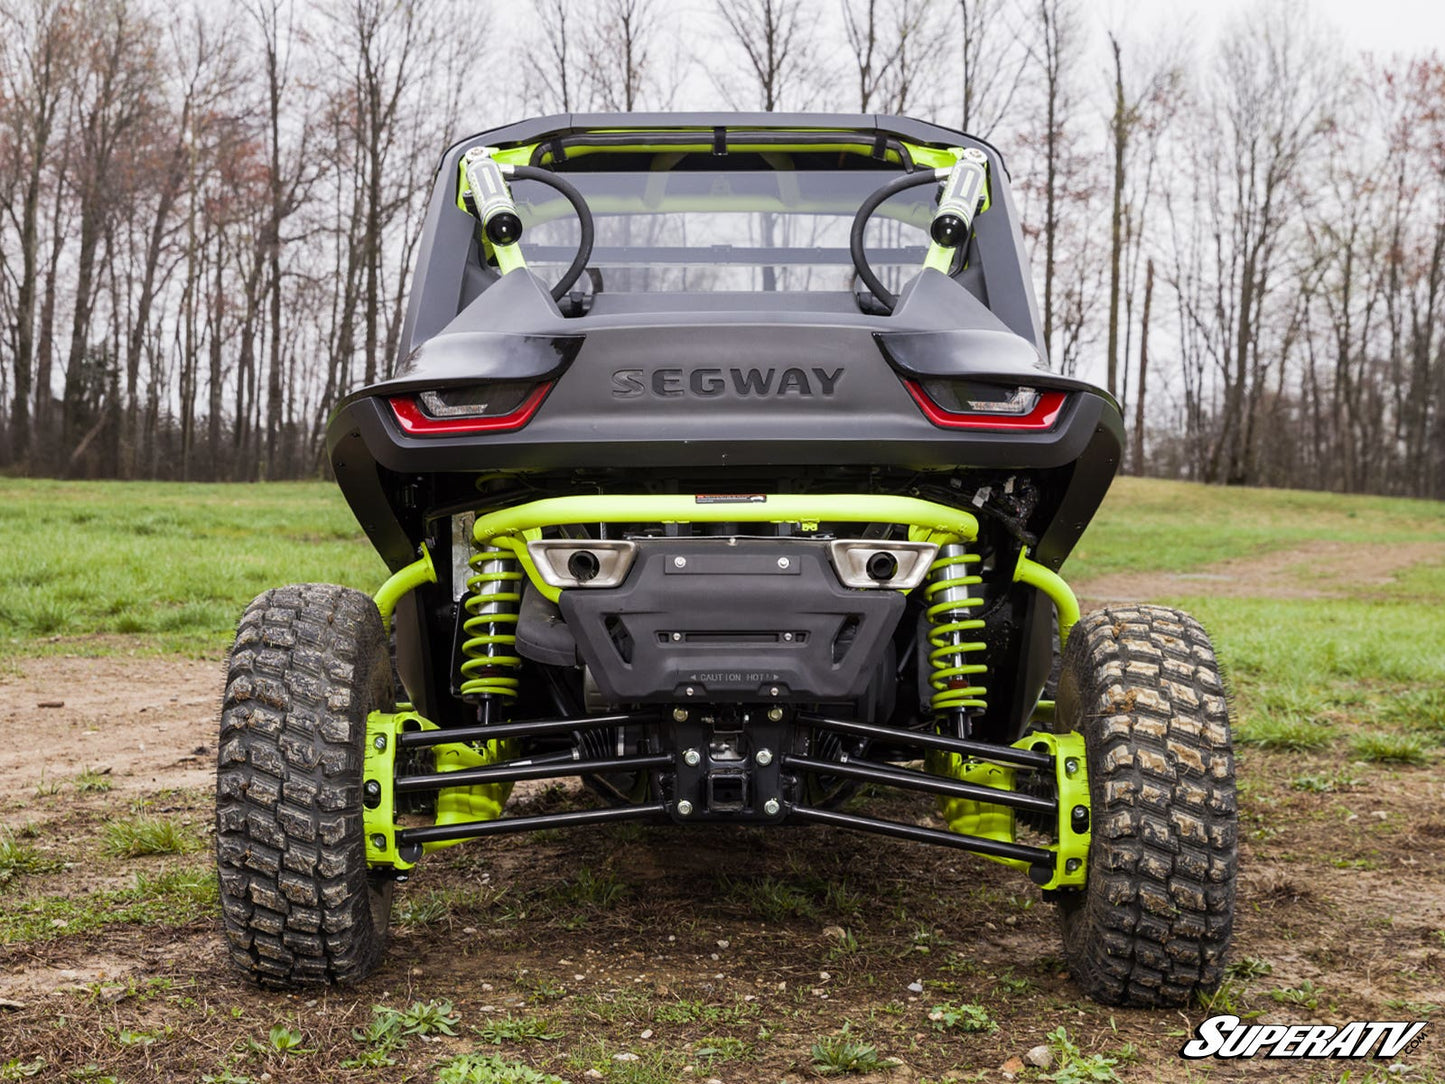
[[966, 404], [475, 408]]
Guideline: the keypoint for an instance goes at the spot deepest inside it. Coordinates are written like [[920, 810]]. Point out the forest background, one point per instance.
[[208, 213]]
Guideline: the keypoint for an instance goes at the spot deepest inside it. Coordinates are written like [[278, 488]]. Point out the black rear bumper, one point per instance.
[[717, 622]]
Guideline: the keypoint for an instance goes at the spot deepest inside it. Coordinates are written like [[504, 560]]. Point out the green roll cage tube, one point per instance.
[[511, 528], [962, 172]]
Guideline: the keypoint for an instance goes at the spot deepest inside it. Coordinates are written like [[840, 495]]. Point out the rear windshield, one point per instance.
[[725, 229]]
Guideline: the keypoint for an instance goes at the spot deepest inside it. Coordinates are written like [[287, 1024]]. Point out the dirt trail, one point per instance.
[[1316, 569], [147, 723]]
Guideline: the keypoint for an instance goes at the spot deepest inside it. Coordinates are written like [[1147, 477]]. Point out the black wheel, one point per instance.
[[298, 902], [1152, 927]]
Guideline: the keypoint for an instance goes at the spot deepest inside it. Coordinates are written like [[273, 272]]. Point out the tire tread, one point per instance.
[[1153, 925], [298, 903]]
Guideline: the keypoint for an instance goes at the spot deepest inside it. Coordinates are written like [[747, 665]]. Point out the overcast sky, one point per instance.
[[1383, 26]]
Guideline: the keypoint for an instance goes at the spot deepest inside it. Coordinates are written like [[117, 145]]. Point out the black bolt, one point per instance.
[[1079, 819]]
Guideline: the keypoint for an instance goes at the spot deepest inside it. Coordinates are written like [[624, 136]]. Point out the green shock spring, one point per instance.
[[950, 600], [493, 605]]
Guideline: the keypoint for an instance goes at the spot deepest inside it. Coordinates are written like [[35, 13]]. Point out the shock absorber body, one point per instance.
[[950, 605], [493, 605]]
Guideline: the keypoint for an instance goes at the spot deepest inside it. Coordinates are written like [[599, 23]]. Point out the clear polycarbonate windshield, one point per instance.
[[694, 229]]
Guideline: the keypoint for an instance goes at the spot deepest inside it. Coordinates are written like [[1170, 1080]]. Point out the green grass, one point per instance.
[[1285, 733], [1304, 671], [1416, 709], [1073, 1066], [166, 566], [177, 898], [145, 835], [90, 781], [598, 891], [834, 1054], [626, 1063], [771, 899], [424, 908], [965, 1016], [1306, 995], [1149, 525], [1386, 748], [1325, 784], [18, 858], [693, 1011]]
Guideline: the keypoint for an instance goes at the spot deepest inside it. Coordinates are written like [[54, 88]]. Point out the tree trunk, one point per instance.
[[1119, 130], [1143, 369]]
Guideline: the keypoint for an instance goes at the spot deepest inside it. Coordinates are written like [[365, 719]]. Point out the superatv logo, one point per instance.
[[1225, 1037], [708, 383]]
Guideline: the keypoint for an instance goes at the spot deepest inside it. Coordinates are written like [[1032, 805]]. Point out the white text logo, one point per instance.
[[1227, 1037]]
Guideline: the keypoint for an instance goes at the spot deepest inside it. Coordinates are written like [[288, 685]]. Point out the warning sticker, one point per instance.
[[731, 498]]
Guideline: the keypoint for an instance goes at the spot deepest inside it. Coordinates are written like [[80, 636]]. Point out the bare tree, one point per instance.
[[1053, 51], [289, 173], [992, 62], [1142, 395], [1144, 97], [1275, 83], [619, 45], [114, 97], [181, 143], [774, 38], [553, 81], [37, 51], [893, 49]]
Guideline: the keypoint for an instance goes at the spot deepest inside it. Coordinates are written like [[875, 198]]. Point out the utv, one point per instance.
[[721, 469]]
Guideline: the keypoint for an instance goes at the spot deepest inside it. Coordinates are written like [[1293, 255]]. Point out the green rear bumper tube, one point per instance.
[[936, 519]]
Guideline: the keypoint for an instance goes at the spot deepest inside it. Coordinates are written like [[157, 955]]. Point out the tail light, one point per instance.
[[472, 408], [969, 404]]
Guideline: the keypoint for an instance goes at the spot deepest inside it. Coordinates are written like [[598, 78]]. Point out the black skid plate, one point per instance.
[[729, 622]]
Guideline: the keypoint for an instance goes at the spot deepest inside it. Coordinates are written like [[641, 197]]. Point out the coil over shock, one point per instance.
[[493, 605], [950, 601]]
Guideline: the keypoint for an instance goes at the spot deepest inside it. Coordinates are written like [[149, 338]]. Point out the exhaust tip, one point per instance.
[[882, 566], [583, 565]]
